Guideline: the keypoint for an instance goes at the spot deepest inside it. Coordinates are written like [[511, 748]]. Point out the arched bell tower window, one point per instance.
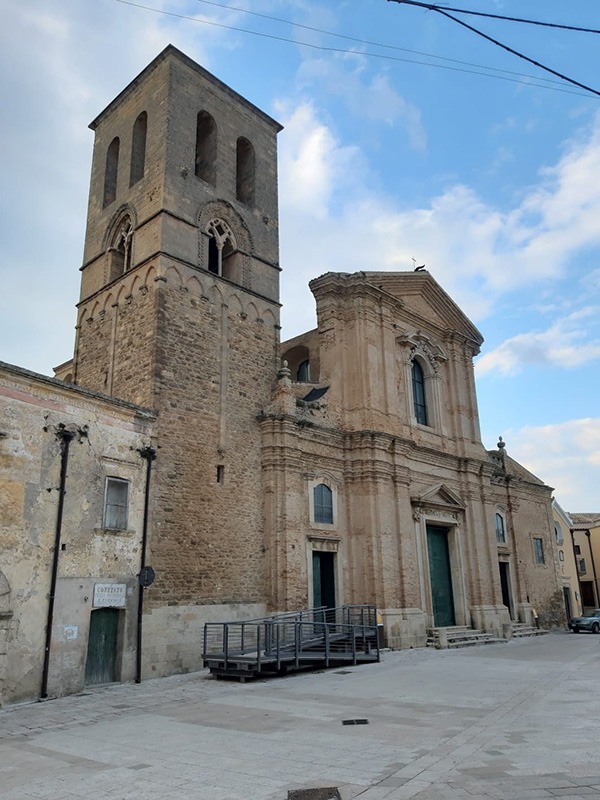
[[245, 167], [111, 172], [120, 251], [138, 149], [206, 148], [221, 248], [419, 397]]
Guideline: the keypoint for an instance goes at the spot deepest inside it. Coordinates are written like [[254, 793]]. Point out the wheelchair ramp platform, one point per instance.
[[313, 639]]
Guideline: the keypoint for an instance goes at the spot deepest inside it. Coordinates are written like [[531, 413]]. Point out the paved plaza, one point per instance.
[[515, 721]]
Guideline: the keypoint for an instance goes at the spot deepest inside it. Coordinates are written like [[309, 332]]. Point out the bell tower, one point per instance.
[[179, 312]]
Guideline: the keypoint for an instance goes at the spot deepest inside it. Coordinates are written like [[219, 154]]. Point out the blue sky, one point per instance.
[[492, 180]]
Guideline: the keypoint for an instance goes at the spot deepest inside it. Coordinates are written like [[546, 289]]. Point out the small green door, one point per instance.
[[101, 664], [440, 576]]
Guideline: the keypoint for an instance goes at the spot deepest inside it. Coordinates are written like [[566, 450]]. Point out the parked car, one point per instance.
[[589, 622]]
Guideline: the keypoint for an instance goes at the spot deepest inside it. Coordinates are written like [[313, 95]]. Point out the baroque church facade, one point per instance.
[[343, 466]]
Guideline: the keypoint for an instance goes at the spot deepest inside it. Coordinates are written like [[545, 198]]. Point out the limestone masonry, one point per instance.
[[344, 466]]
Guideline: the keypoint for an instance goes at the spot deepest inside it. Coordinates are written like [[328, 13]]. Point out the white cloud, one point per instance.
[[477, 252], [565, 456], [564, 344]]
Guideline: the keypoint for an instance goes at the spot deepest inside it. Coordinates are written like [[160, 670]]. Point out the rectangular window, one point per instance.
[[582, 567], [538, 551], [577, 550], [116, 499]]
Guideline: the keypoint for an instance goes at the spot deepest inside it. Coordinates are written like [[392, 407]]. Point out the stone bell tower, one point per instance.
[[179, 312]]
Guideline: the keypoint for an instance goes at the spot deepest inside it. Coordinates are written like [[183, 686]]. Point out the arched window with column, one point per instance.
[[221, 249]]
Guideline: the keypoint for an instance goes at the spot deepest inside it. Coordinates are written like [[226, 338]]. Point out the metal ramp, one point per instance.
[[315, 638]]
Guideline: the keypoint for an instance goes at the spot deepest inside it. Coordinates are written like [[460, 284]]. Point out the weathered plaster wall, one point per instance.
[[107, 435]]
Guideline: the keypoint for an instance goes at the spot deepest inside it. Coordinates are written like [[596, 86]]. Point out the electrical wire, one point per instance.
[[501, 16], [531, 81], [371, 43], [511, 50]]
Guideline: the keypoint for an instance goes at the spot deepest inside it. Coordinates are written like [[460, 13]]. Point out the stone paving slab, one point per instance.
[[517, 721]]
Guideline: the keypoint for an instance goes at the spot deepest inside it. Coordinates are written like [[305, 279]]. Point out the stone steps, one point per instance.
[[459, 636], [520, 630]]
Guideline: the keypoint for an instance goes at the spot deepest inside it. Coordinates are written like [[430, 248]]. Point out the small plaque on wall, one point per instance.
[[110, 595]]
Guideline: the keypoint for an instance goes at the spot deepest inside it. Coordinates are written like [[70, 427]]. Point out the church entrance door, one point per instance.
[[440, 576], [101, 664], [323, 579]]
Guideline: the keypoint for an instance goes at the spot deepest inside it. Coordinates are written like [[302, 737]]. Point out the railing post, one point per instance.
[[226, 643], [277, 647], [296, 643], [205, 639], [243, 639], [258, 647], [353, 634], [326, 645]]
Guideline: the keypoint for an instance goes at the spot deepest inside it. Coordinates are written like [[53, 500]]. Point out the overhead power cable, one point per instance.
[[444, 13], [528, 80], [369, 42], [501, 16]]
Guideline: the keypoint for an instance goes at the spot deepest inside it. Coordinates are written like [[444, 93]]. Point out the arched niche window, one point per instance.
[[120, 250], [419, 397], [303, 372], [138, 149], [322, 504], [245, 171], [206, 148], [221, 249], [558, 534], [111, 172], [500, 528]]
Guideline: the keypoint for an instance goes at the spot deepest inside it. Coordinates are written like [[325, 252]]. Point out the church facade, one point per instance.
[[350, 472]]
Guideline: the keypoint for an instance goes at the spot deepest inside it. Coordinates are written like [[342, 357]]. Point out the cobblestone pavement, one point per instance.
[[516, 721]]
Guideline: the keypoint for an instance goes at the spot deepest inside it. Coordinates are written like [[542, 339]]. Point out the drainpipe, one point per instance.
[[589, 538], [66, 438], [148, 454]]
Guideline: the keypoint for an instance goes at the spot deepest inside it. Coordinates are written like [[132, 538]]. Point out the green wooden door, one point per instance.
[[440, 576], [101, 664], [323, 579]]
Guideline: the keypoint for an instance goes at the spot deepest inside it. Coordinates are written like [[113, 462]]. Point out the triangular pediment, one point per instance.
[[424, 299], [438, 495]]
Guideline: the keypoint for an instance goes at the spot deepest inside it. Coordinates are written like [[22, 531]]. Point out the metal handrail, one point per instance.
[[290, 639]]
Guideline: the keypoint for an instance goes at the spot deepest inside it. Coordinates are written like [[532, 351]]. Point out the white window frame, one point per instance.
[[111, 479]]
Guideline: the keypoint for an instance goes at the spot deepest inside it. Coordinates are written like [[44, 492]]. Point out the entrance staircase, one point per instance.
[[315, 638], [459, 636]]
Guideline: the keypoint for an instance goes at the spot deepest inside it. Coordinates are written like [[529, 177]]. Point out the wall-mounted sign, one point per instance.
[[110, 595]]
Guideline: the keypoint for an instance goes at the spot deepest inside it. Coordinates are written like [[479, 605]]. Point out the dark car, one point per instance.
[[589, 622]]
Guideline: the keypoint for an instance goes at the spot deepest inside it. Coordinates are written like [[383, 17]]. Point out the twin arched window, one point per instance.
[[137, 164], [221, 247]]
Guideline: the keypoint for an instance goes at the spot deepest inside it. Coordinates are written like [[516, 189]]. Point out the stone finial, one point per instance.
[[284, 372], [501, 443]]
